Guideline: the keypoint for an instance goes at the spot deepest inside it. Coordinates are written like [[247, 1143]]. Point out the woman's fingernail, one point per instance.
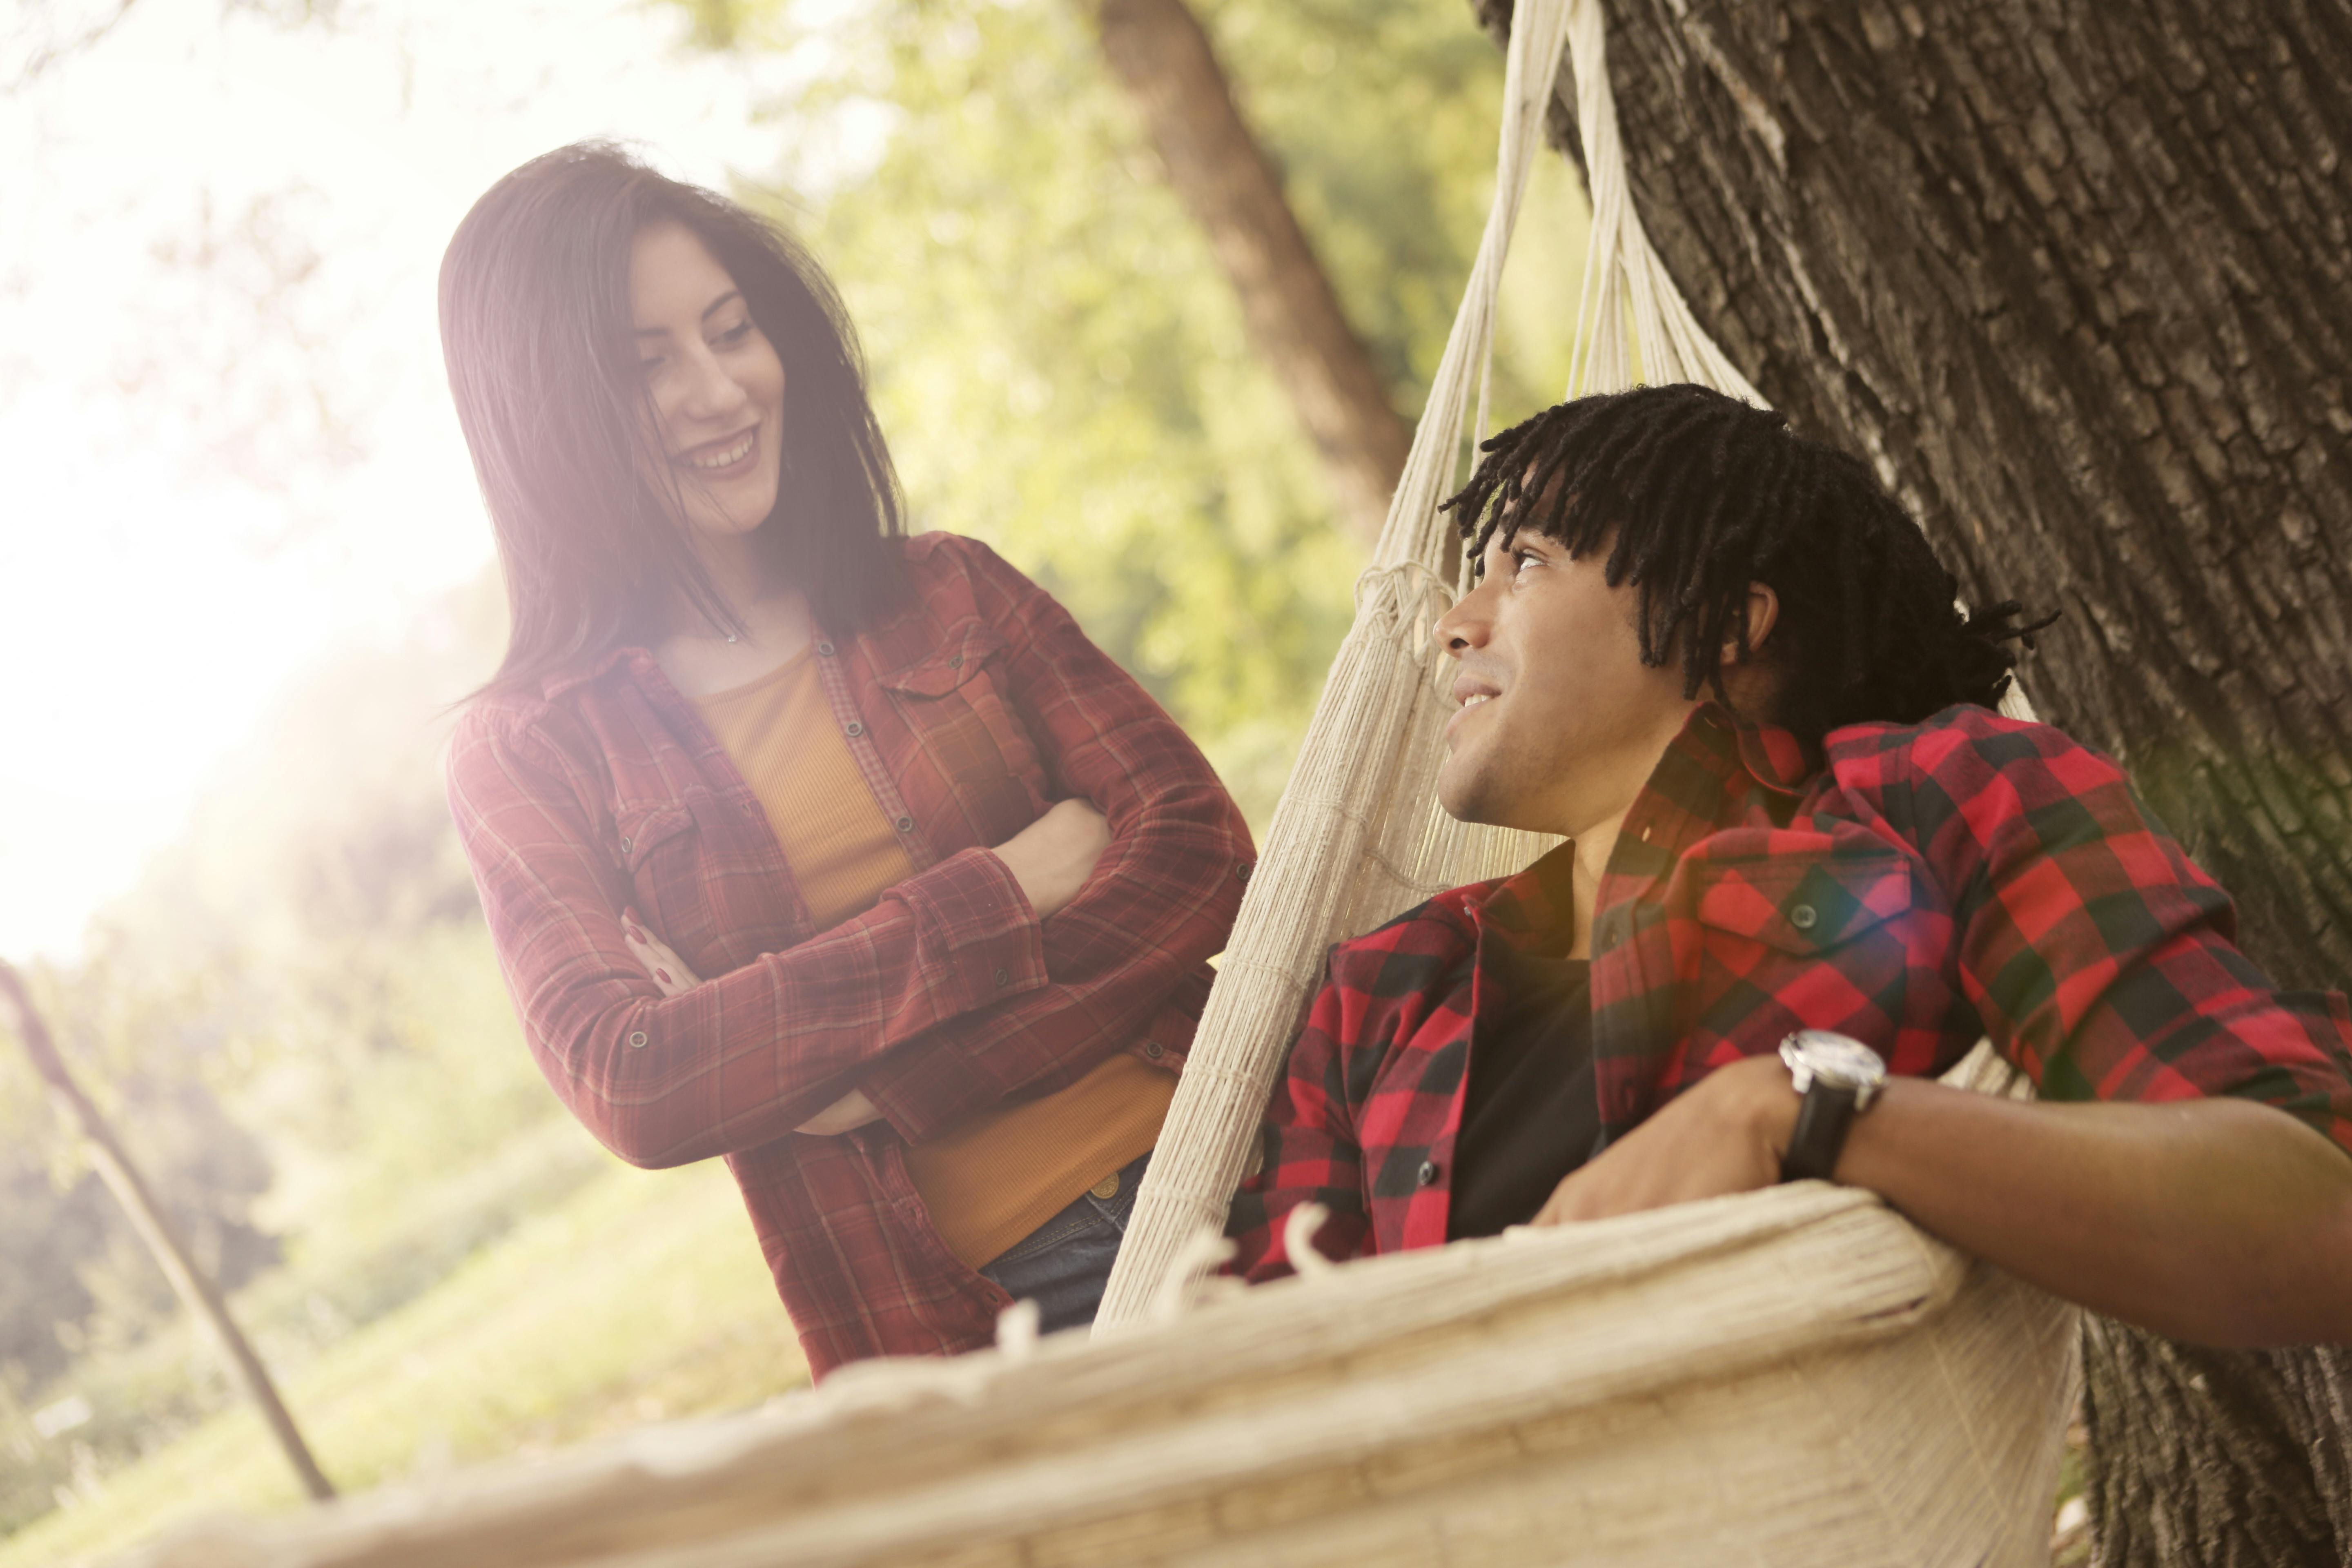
[[662, 975]]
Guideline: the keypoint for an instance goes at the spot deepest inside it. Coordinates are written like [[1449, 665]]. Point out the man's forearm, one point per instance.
[[2218, 1221]]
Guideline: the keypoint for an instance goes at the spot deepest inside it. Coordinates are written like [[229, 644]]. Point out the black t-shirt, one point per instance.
[[1530, 1115]]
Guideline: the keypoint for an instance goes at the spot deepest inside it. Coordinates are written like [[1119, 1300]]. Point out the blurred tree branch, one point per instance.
[[44, 38], [46, 34], [1160, 52], [115, 1167]]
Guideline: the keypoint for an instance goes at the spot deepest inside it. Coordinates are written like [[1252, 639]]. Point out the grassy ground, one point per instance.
[[639, 1296]]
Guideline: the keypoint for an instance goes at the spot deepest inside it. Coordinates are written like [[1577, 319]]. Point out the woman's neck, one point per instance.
[[772, 624]]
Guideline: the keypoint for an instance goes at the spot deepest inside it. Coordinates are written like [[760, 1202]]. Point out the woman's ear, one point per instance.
[[1763, 615]]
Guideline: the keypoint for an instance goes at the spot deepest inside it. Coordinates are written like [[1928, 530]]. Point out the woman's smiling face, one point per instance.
[[715, 384]]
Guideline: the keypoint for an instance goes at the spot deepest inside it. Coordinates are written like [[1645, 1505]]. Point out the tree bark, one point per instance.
[[1158, 51], [2077, 278]]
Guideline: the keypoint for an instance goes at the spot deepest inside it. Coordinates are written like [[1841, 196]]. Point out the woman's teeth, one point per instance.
[[728, 458], [1474, 701]]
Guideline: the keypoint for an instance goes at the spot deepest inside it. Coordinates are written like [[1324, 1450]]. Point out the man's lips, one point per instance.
[[1469, 689], [1473, 693]]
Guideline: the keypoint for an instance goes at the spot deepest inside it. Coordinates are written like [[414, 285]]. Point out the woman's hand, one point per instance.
[[669, 970], [852, 1110], [1054, 856], [671, 974]]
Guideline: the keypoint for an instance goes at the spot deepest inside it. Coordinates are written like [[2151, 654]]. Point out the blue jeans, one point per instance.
[[1063, 1264]]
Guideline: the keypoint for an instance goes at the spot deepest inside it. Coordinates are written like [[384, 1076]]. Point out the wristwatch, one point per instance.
[[1839, 1076]]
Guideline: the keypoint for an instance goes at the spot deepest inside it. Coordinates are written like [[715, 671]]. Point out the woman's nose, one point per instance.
[[709, 393]]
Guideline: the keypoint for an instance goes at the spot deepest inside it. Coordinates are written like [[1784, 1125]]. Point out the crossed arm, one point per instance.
[[1051, 859]]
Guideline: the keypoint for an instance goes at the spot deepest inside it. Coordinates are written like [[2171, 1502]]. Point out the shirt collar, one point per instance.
[[554, 685], [1533, 910], [1715, 762]]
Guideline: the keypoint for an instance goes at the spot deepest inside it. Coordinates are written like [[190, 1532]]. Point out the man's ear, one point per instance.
[[1763, 615]]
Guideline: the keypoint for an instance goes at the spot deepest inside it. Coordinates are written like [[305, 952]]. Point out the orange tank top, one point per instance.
[[1001, 1175]]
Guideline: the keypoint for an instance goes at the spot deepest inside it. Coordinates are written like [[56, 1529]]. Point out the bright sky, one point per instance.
[[178, 536]]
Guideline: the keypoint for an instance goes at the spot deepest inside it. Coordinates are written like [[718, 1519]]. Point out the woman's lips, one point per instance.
[[721, 459]]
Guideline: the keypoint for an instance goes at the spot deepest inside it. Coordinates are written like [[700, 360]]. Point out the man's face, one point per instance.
[[1561, 722]]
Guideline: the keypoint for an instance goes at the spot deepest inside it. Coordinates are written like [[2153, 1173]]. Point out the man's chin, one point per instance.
[[1466, 797]]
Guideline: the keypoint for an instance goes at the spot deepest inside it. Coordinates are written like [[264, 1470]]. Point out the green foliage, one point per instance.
[[1061, 365], [299, 1030]]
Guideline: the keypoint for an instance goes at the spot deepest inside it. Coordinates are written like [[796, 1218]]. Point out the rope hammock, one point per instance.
[[1792, 1378], [1358, 836]]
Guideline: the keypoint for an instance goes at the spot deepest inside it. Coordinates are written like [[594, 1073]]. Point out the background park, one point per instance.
[[247, 575]]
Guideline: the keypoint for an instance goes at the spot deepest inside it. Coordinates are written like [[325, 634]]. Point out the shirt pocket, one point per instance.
[[987, 763], [1806, 905], [961, 653], [1806, 940], [657, 848]]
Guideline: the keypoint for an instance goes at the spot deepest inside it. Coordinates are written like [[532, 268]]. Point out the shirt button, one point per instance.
[[1005, 977], [906, 825], [853, 728], [824, 651], [1427, 1175], [625, 845], [955, 662], [1242, 871], [1154, 1050], [1802, 917], [637, 1038]]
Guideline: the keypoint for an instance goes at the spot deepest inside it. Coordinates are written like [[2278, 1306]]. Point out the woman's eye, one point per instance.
[[647, 366], [732, 336]]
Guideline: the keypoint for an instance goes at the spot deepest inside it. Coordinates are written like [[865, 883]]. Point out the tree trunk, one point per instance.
[[1158, 51], [196, 1289], [2077, 278]]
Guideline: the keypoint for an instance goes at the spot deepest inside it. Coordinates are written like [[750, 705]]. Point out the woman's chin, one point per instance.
[[731, 520]]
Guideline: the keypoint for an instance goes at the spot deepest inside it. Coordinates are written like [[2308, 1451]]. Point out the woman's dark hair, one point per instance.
[[536, 331], [1696, 495]]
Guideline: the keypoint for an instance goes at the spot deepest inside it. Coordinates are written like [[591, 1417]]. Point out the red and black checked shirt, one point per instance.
[[969, 712], [1933, 884]]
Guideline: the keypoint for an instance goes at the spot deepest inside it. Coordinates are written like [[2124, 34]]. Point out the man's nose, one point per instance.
[[1464, 625]]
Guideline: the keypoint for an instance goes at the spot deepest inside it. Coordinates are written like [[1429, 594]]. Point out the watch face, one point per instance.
[[1836, 1059]]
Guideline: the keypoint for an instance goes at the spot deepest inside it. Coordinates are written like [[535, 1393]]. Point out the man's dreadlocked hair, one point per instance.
[[1696, 495]]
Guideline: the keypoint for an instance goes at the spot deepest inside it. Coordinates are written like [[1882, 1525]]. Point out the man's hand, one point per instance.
[[1725, 1134], [673, 978], [2222, 1221], [1054, 856]]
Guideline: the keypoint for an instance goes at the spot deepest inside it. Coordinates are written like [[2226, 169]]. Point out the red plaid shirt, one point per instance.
[[1931, 885], [969, 712]]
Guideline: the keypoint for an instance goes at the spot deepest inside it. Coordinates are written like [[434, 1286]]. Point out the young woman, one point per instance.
[[840, 854]]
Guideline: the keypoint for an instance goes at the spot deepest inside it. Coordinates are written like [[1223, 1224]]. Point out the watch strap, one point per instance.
[[1822, 1119]]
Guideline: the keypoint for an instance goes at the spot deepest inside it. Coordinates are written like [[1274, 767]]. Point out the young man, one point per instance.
[[1723, 662]]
